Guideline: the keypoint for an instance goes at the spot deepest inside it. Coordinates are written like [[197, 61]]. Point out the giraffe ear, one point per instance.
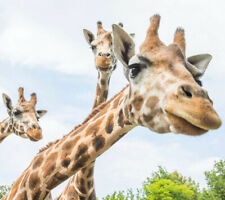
[[89, 36], [41, 113], [8, 103], [124, 46], [198, 64]]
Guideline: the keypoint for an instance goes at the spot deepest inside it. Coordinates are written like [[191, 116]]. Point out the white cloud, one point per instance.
[[27, 43]]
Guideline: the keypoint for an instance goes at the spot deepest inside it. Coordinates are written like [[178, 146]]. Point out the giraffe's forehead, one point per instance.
[[25, 106], [104, 38], [167, 60], [165, 54]]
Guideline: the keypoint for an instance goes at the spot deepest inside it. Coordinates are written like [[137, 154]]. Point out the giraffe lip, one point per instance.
[[104, 68], [186, 121], [33, 139]]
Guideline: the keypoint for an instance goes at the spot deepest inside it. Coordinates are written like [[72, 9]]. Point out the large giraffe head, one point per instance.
[[24, 117], [102, 48], [165, 91]]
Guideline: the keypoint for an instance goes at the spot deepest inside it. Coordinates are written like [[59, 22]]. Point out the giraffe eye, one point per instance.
[[134, 71], [17, 112], [93, 47]]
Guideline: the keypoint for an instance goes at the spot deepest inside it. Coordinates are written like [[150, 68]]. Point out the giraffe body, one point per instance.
[[163, 95]]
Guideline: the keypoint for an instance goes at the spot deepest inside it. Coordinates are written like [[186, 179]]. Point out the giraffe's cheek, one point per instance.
[[34, 134]]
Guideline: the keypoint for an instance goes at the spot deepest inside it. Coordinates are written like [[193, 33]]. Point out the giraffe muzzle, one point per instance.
[[197, 112], [103, 63], [34, 134]]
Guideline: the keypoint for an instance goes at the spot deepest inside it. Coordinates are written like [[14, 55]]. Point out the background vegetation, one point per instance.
[[162, 185]]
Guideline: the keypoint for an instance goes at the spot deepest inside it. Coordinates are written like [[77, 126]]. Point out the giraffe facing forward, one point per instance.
[[23, 118], [81, 185], [163, 95]]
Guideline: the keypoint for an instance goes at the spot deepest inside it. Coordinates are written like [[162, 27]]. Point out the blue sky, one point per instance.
[[42, 48]]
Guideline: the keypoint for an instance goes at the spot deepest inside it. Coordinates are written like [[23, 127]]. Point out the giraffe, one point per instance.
[[105, 62], [23, 118], [163, 95]]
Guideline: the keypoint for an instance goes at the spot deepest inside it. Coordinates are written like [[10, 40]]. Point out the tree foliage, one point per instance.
[[216, 182], [161, 186], [3, 190]]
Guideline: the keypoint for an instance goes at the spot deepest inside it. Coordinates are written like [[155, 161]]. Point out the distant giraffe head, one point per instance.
[[23, 117], [102, 48], [165, 93]]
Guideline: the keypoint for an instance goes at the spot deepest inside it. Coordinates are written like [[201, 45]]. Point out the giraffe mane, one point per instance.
[[90, 116]]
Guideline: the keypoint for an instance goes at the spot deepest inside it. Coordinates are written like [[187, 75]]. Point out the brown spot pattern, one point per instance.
[[98, 143], [36, 194], [56, 180], [105, 94], [81, 150], [50, 164], [121, 119], [152, 101], [80, 162], [34, 180], [109, 124], [102, 82], [38, 161]]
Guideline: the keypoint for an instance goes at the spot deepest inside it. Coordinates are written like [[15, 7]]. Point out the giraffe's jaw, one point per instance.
[[181, 125]]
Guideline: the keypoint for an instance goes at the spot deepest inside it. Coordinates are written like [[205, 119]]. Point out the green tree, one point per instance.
[[3, 190], [129, 195], [161, 186], [216, 182], [170, 186]]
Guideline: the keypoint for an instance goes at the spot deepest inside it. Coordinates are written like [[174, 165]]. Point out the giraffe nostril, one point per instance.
[[186, 92], [100, 54], [108, 55], [34, 126]]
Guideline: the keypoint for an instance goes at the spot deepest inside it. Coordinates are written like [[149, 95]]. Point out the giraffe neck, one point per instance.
[[8, 126], [102, 87], [81, 185], [76, 150], [5, 128]]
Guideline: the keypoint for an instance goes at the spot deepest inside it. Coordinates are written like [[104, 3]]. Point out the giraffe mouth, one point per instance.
[[105, 68], [182, 125], [34, 135]]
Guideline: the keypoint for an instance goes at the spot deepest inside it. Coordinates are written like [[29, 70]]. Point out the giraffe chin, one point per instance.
[[105, 68], [180, 125], [34, 135]]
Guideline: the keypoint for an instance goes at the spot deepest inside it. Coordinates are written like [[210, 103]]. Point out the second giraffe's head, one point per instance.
[[165, 92], [24, 116], [102, 48]]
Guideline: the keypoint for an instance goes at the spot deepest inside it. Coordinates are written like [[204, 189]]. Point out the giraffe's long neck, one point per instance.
[[8, 126], [102, 87], [76, 150], [5, 129], [81, 185]]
